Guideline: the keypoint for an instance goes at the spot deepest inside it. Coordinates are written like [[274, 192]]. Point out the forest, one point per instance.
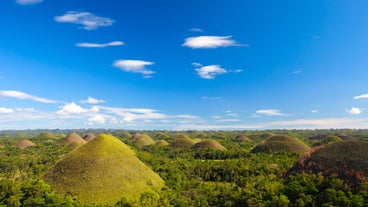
[[199, 168]]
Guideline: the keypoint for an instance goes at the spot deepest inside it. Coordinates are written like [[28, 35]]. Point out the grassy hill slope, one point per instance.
[[102, 171]]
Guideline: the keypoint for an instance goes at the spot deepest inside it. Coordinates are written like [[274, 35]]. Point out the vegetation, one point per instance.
[[332, 174], [209, 144]]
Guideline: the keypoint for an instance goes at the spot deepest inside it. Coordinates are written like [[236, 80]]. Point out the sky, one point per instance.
[[183, 65]]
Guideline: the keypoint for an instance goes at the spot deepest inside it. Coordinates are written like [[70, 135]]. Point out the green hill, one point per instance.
[[183, 142], [282, 143], [142, 140], [102, 172], [347, 160], [161, 143], [46, 136], [72, 140], [24, 144], [209, 144]]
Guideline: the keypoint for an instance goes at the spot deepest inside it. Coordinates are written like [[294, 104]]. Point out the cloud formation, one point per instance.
[[88, 20], [210, 71], [270, 112], [98, 45], [91, 100], [210, 42], [24, 96], [196, 30], [27, 2], [71, 108], [4, 110], [361, 96], [134, 66], [355, 111]]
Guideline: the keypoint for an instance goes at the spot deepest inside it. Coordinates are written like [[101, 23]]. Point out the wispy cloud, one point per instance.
[[91, 100], [270, 112], [210, 71], [28, 2], [314, 110], [297, 71], [212, 97], [25, 96], [196, 30], [210, 42], [354, 111], [134, 66], [98, 45], [361, 96], [88, 20], [4, 110], [96, 119]]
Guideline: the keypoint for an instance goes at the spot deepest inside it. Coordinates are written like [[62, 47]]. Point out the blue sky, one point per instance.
[[144, 64]]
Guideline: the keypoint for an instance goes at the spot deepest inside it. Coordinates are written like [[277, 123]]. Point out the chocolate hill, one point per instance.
[[101, 172], [282, 143], [348, 160], [209, 144], [24, 144], [72, 140]]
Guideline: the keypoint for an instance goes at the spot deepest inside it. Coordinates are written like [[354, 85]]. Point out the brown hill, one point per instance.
[[209, 144], [101, 172], [142, 140], [161, 143], [24, 144], [242, 138], [46, 136], [89, 137], [183, 142], [348, 160], [282, 143], [72, 140]]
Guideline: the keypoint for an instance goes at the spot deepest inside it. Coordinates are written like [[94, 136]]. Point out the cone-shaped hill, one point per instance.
[[348, 160], [24, 144], [102, 171], [282, 143], [161, 143], [142, 140], [46, 136], [209, 144], [242, 138], [72, 140], [183, 142], [89, 137]]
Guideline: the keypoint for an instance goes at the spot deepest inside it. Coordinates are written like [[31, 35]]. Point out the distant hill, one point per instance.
[[161, 143], [348, 160], [142, 140], [242, 138], [209, 144], [183, 141], [24, 144], [324, 136], [282, 143], [89, 137], [72, 140], [47, 135], [102, 171]]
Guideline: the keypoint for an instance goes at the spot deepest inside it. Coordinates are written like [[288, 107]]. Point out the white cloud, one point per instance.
[[96, 119], [197, 64], [314, 110], [361, 96], [71, 108], [98, 45], [212, 97], [232, 114], [229, 120], [270, 112], [27, 2], [210, 42], [210, 71], [91, 100], [297, 71], [216, 117], [4, 110], [24, 96], [196, 30], [355, 111], [88, 20], [134, 66]]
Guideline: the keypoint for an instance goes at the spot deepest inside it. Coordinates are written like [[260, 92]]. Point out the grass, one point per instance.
[[161, 143], [282, 143], [183, 142], [47, 135], [102, 172], [72, 140], [142, 140]]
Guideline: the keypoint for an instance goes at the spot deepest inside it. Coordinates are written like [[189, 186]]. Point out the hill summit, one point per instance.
[[282, 143], [102, 171]]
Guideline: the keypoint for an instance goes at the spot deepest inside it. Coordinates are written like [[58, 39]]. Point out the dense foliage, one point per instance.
[[193, 176]]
